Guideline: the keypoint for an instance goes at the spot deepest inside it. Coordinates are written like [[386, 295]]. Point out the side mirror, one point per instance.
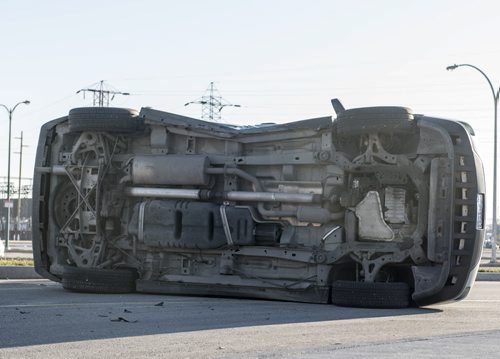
[[337, 106]]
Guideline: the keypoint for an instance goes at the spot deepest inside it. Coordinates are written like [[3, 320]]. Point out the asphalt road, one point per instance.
[[38, 319]]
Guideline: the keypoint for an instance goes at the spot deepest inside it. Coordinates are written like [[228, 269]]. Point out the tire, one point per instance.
[[93, 280], [371, 294], [65, 203], [104, 119], [393, 120]]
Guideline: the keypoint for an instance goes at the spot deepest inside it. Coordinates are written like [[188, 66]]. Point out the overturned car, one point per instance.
[[378, 208]]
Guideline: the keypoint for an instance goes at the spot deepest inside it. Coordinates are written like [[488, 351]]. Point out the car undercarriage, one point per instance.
[[379, 207]]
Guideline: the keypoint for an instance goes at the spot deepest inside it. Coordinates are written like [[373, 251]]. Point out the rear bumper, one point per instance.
[[40, 212]]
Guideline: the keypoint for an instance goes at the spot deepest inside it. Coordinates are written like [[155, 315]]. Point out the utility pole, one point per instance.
[[212, 104], [101, 95], [18, 221]]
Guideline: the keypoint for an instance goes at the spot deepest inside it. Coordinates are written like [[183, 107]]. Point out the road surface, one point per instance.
[[40, 319]]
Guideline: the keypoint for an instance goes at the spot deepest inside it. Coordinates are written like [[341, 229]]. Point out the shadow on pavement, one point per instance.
[[42, 312]]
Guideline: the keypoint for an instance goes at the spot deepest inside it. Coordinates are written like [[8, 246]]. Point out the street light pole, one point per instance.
[[495, 135], [10, 111]]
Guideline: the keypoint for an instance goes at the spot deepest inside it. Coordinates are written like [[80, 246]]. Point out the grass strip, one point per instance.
[[16, 262]]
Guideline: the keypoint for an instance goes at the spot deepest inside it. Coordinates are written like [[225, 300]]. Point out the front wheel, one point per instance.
[[388, 119], [371, 294]]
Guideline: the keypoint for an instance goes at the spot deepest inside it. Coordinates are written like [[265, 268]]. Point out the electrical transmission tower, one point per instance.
[[102, 94], [212, 104]]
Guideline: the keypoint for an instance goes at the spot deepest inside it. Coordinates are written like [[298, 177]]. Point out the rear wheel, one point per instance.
[[105, 119], [93, 280], [371, 294]]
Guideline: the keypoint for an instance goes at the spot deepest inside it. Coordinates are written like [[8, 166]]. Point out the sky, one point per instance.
[[280, 60]]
